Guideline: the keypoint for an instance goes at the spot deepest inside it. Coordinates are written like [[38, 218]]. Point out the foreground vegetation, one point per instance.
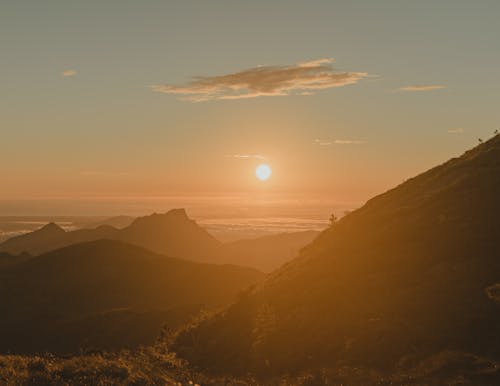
[[146, 366], [156, 366]]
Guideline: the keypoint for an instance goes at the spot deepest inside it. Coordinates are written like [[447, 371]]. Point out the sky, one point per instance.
[[118, 102]]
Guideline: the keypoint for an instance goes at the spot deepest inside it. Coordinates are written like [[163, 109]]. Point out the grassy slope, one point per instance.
[[401, 279]]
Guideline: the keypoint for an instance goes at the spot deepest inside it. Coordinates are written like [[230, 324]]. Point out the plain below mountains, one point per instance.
[[106, 294], [406, 281]]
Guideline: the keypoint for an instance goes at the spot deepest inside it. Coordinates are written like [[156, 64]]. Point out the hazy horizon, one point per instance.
[[212, 206]]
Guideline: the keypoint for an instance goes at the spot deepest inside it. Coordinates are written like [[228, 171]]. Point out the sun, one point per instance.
[[263, 172]]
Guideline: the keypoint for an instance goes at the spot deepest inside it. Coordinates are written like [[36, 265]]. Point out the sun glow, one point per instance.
[[263, 172]]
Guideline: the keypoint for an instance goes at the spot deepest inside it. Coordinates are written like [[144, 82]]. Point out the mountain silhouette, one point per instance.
[[118, 222], [171, 233], [413, 273], [49, 234], [45, 300]]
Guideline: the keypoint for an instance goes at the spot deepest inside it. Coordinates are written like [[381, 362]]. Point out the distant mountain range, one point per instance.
[[172, 234], [118, 222], [406, 281], [106, 294]]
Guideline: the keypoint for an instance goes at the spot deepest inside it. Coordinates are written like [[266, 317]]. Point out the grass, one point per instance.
[[145, 366], [155, 366]]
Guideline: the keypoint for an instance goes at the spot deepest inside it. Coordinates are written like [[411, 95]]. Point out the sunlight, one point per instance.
[[263, 172]]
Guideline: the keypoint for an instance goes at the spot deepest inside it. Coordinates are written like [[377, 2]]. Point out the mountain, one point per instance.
[[172, 233], [51, 237], [118, 222], [108, 293], [266, 253], [31, 242], [413, 274]]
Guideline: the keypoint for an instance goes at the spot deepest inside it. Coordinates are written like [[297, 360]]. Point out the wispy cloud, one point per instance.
[[348, 142], [297, 79], [457, 130], [323, 142], [428, 87], [328, 142], [317, 62], [247, 156], [68, 73]]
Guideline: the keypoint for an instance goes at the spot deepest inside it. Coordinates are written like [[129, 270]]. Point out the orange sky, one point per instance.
[[166, 99]]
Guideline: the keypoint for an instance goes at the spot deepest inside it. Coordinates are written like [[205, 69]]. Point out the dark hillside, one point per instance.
[[411, 274], [62, 300]]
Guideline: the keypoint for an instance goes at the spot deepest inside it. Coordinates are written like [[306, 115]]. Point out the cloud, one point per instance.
[[428, 87], [317, 62], [323, 142], [348, 142], [68, 73], [247, 156], [298, 79], [328, 142], [458, 130]]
